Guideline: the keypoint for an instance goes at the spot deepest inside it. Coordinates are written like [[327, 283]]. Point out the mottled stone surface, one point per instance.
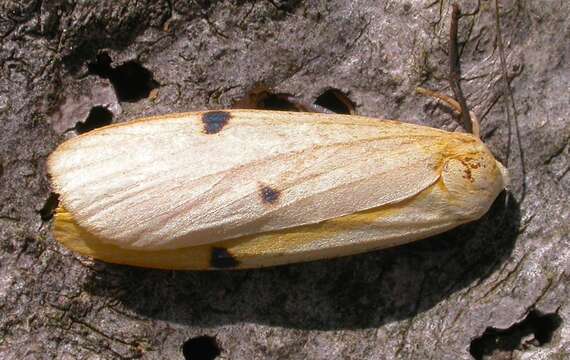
[[496, 289]]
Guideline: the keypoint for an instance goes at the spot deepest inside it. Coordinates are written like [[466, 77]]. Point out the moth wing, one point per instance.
[[176, 181]]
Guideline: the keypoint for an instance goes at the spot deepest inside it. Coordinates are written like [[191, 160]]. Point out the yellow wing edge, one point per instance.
[[304, 243]]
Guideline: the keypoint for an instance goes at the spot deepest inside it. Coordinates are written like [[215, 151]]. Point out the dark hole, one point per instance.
[[98, 116], [270, 101], [131, 80], [540, 327], [47, 211], [545, 326], [200, 348], [102, 66], [335, 101]]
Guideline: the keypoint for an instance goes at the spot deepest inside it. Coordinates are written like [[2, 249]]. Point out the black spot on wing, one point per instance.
[[214, 121], [269, 195], [222, 259]]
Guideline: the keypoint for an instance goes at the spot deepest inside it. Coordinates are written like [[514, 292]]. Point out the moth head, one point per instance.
[[474, 178]]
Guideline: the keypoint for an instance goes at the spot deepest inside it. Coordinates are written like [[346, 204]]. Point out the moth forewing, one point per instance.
[[246, 188], [139, 189]]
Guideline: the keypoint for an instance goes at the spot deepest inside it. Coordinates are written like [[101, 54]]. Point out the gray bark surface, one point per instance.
[[493, 289]]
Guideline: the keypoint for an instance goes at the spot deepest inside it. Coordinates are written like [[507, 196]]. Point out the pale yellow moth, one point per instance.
[[248, 188]]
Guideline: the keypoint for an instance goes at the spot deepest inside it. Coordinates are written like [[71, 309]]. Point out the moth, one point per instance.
[[239, 189]]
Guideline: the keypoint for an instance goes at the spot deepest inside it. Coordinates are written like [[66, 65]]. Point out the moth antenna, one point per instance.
[[508, 96]]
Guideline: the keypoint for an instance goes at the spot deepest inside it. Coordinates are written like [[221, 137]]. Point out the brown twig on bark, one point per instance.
[[455, 69]]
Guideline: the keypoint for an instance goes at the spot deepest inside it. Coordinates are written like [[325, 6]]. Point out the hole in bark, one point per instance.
[[47, 211], [535, 330], [131, 80], [201, 348], [336, 101], [102, 66], [98, 116]]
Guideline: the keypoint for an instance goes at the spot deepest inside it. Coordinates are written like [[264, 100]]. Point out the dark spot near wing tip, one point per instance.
[[214, 121], [269, 195], [222, 259]]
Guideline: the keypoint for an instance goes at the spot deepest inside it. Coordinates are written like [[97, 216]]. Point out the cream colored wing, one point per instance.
[[189, 179]]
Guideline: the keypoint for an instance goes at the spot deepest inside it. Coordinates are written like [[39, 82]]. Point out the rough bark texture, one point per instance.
[[494, 289]]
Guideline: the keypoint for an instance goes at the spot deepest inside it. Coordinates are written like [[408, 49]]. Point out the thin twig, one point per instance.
[[455, 69]]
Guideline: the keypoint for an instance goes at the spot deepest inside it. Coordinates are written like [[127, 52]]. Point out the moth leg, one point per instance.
[[278, 101], [453, 105], [306, 106], [470, 120]]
